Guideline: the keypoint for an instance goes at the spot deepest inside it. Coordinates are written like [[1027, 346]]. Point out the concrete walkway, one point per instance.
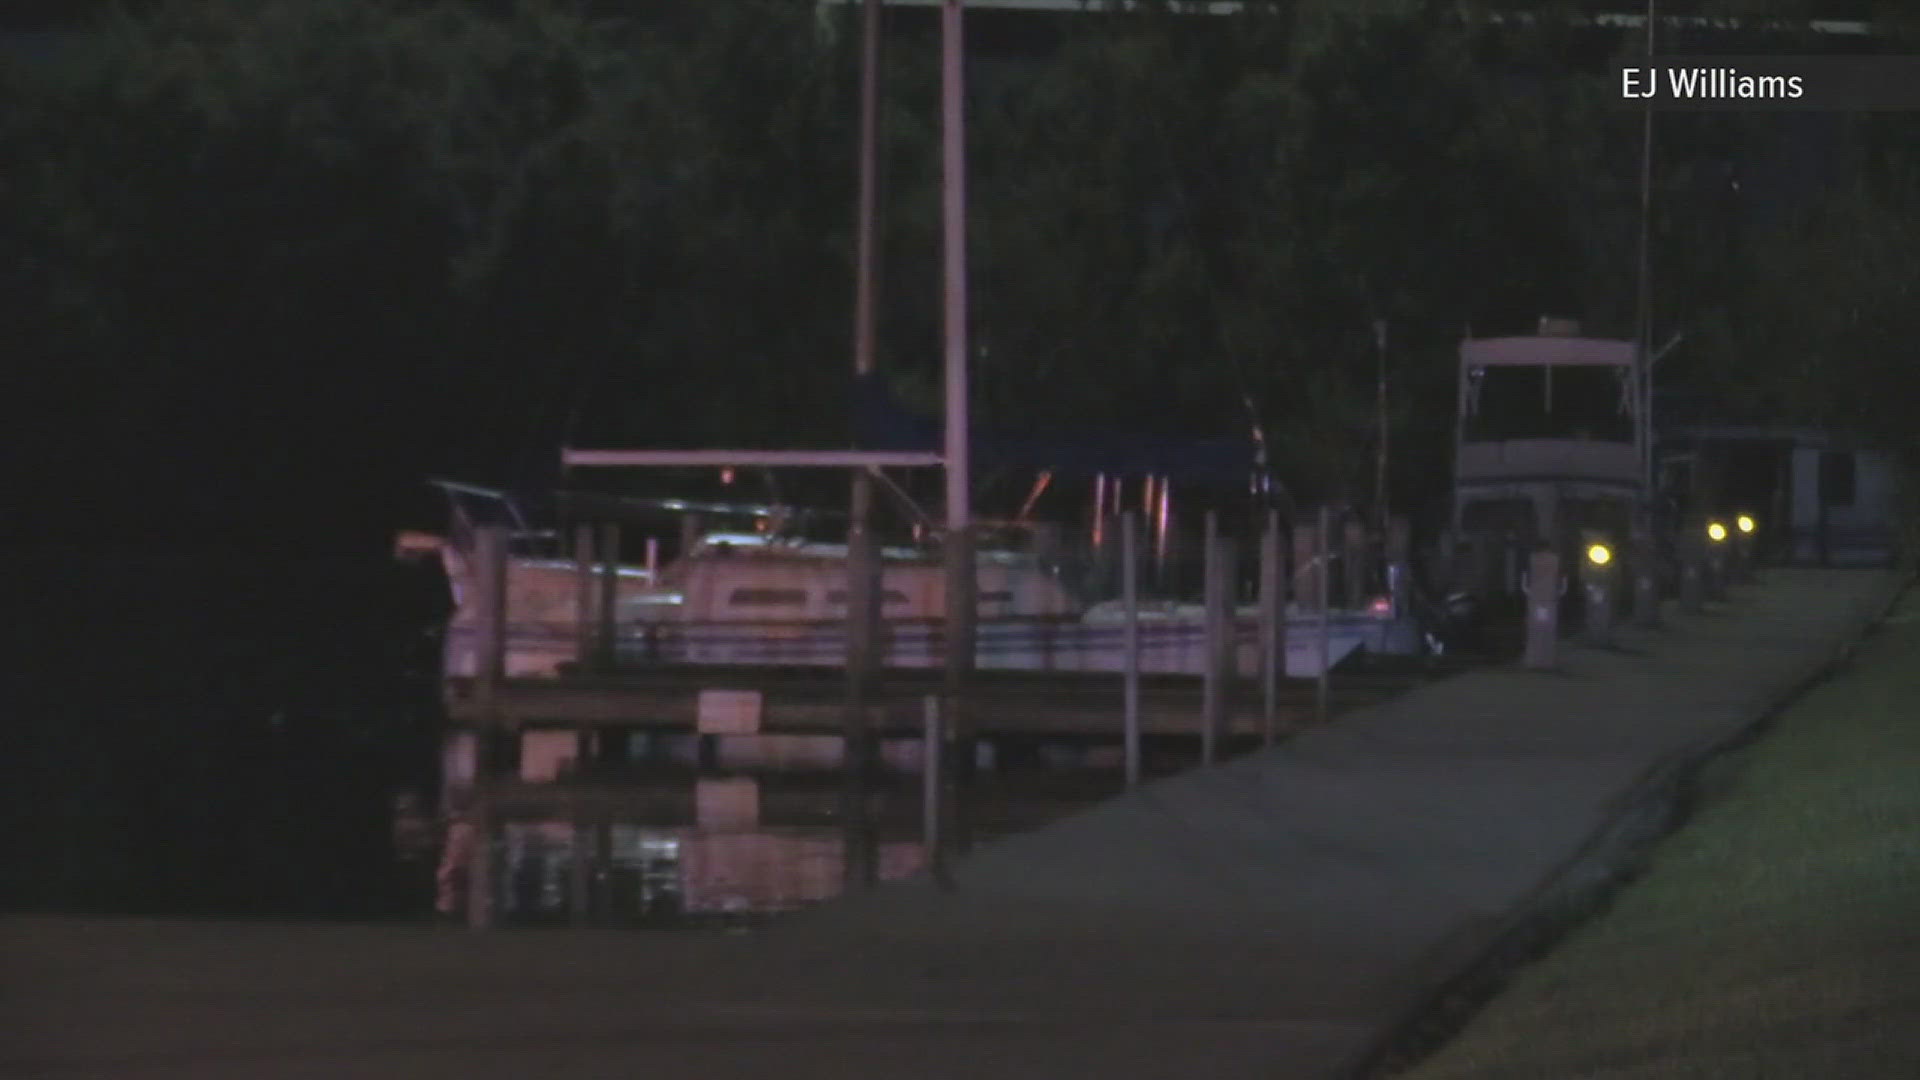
[[1267, 918]]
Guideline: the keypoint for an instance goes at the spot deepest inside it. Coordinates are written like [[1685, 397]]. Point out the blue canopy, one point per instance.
[[882, 423]]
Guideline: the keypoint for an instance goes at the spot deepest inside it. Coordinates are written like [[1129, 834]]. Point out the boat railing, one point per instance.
[[1168, 643]]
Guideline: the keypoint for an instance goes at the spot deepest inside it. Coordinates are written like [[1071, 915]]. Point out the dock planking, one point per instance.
[[807, 703]]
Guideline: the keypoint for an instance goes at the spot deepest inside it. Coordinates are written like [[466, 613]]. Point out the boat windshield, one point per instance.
[[1558, 402]]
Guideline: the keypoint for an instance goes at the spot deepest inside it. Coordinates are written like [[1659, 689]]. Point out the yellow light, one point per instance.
[[1599, 554], [1716, 532], [1744, 523]]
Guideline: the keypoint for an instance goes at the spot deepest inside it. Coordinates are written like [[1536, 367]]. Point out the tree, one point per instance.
[[257, 225], [1211, 214]]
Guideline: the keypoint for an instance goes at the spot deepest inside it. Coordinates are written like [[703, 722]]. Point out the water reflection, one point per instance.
[[637, 875], [643, 829], [661, 850]]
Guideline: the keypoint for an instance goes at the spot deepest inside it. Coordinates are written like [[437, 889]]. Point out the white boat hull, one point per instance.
[[1167, 646]]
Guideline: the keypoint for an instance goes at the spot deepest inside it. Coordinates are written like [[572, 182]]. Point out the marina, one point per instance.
[[647, 743]]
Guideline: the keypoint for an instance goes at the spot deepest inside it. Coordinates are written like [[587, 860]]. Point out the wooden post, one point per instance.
[[1353, 558], [1273, 626], [933, 789], [580, 869], [1213, 589], [690, 533], [962, 593], [609, 652], [1693, 584], [1323, 545], [480, 850], [1745, 558], [1130, 597], [1646, 587], [490, 598], [1543, 609], [1306, 587], [586, 629], [1717, 569], [580, 858], [863, 613], [1220, 657], [1400, 564], [1224, 656], [602, 908]]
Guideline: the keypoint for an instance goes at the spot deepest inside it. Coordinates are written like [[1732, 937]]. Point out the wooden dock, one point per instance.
[[736, 700]]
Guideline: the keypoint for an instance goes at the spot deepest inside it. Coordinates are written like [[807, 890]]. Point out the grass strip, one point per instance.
[[1776, 934]]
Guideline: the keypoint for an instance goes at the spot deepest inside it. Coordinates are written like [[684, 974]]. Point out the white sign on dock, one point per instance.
[[730, 712]]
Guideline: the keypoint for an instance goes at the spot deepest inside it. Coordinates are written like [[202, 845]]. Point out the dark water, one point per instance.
[[654, 876], [723, 849], [221, 734], [210, 733]]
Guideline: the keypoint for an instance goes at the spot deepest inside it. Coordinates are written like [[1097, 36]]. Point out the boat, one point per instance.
[[765, 596]]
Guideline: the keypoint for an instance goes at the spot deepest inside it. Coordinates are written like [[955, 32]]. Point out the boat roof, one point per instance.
[[1545, 350]]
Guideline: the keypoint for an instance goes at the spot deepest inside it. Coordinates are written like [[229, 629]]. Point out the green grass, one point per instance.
[[1776, 934]]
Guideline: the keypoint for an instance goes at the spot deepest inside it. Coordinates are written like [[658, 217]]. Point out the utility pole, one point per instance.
[[1644, 320], [1380, 410], [1322, 600], [961, 591], [863, 572], [1646, 597], [1130, 600]]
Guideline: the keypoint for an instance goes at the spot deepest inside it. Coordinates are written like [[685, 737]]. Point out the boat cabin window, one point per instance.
[[892, 596], [1579, 401], [761, 597], [1500, 517], [996, 596]]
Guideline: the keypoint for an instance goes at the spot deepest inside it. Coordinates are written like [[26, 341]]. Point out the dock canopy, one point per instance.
[[1546, 351], [882, 423]]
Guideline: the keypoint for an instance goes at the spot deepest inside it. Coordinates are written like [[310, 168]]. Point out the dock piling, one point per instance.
[[1323, 551], [586, 622], [609, 607], [933, 788], [1543, 610], [1130, 593], [1219, 642], [490, 600], [1273, 626]]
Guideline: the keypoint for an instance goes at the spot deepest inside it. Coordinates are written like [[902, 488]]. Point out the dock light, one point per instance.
[[1598, 584], [1716, 532], [1742, 569]]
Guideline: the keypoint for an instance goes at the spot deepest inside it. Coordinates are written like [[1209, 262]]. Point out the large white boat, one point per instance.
[[766, 598]]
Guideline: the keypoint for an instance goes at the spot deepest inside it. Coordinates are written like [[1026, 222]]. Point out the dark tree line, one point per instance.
[[374, 238]]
